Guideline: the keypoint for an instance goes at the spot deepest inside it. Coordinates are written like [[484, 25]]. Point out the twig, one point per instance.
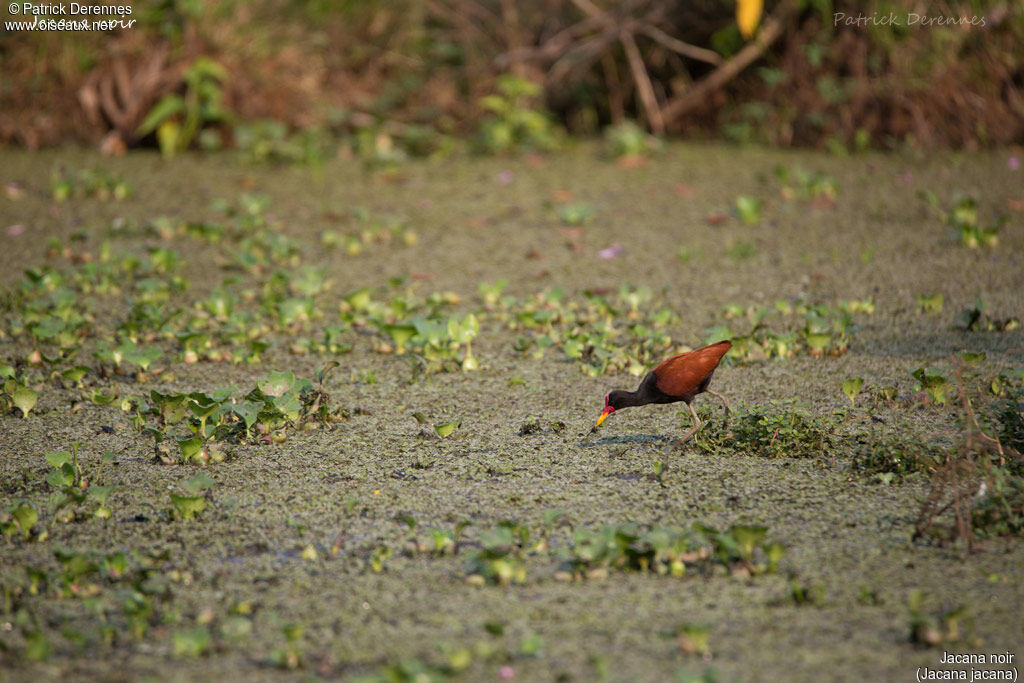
[[616, 103], [553, 48], [692, 98], [643, 82], [686, 49]]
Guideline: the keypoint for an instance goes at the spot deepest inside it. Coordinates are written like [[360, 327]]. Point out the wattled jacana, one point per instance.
[[680, 378]]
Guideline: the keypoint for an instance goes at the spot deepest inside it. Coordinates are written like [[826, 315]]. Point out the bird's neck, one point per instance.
[[628, 399]]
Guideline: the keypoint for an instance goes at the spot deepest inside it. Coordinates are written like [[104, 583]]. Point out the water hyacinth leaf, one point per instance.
[[248, 411], [430, 331], [531, 645], [578, 213], [818, 342], [190, 448], [748, 537], [359, 299], [101, 399], [748, 209], [25, 399], [694, 638], [222, 394], [202, 406], [852, 387], [774, 552], [101, 493], [446, 429], [197, 484], [23, 518], [236, 629], [933, 383], [276, 383], [191, 642], [61, 477], [187, 507], [930, 304], [574, 348], [37, 646], [289, 406], [324, 370], [59, 459], [157, 434], [400, 334], [75, 374]]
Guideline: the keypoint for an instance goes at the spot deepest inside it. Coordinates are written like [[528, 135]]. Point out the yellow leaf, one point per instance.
[[168, 135], [748, 16]]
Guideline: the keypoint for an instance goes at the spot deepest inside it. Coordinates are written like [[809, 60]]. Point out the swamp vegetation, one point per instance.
[[335, 419]]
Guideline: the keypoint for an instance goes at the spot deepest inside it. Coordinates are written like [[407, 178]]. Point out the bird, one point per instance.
[[679, 378]]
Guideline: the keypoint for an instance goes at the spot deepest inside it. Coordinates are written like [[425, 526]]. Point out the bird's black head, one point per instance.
[[617, 399], [612, 402]]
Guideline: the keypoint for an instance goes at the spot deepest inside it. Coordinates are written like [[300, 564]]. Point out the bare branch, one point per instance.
[[686, 49], [582, 56], [689, 100], [643, 83]]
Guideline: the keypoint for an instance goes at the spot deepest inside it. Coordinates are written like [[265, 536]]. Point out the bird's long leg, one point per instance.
[[725, 402], [693, 430]]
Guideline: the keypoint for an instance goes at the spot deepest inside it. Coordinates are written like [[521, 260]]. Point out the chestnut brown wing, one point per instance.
[[681, 375]]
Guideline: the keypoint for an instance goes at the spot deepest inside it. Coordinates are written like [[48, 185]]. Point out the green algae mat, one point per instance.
[[266, 422]]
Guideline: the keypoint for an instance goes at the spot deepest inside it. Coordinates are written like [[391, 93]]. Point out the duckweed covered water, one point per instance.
[[307, 562]]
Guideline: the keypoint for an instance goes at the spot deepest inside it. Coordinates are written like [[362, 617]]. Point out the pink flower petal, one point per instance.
[[15, 230], [611, 252], [506, 673], [506, 177], [1013, 163]]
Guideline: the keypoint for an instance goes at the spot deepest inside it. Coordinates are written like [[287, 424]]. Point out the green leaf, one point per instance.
[[59, 459], [25, 399], [819, 342], [190, 448], [169, 137], [191, 642], [75, 374], [61, 478], [101, 399], [748, 209], [101, 493], [445, 430], [289, 406], [852, 387], [400, 334], [202, 406], [359, 299], [172, 406], [169, 106], [748, 537], [322, 372], [276, 383], [249, 411], [187, 507], [143, 357], [197, 484], [25, 518], [37, 646]]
